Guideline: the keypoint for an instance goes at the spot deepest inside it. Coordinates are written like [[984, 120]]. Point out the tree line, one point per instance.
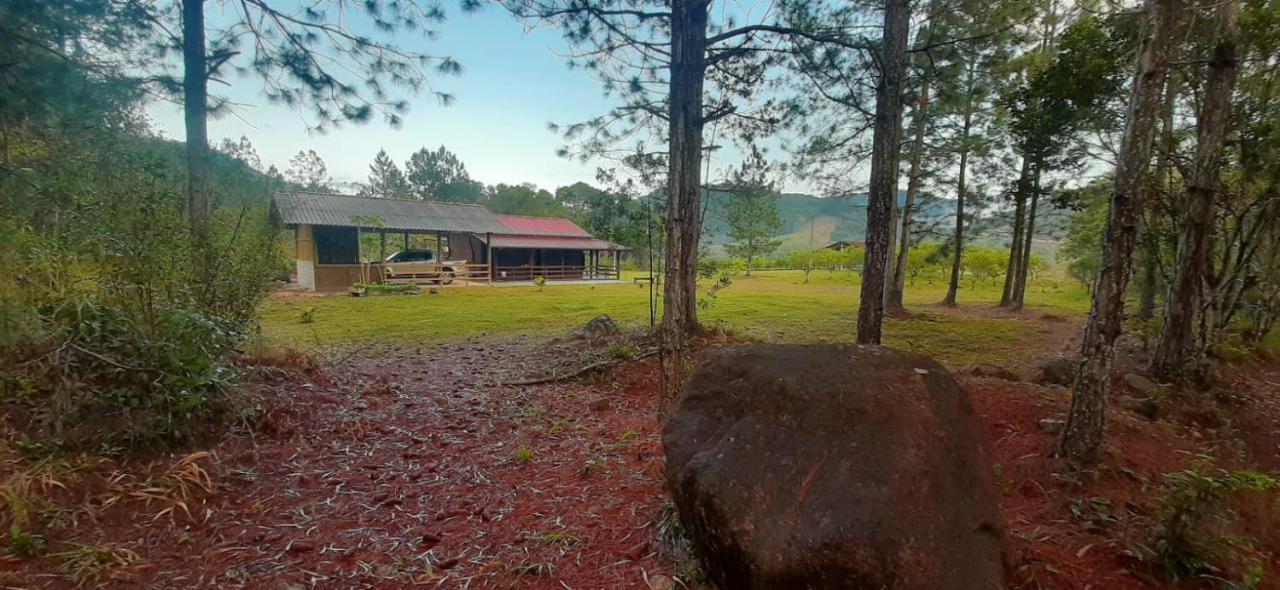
[[1014, 105]]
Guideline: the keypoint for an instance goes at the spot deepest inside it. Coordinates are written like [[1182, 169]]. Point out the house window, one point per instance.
[[337, 245]]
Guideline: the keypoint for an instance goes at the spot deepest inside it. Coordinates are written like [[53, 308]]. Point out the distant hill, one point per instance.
[[817, 220], [808, 219], [234, 182]]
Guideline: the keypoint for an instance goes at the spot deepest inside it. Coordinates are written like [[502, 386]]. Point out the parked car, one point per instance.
[[419, 265]]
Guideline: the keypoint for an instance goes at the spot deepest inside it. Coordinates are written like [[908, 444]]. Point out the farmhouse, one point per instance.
[[470, 242]]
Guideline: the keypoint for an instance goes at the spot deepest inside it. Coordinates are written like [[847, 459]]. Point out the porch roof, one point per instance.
[[554, 243], [311, 208]]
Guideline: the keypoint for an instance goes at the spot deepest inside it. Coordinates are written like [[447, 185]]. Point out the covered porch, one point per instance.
[[554, 258]]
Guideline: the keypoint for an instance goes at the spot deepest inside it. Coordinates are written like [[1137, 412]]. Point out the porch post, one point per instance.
[[406, 241], [488, 243], [617, 264], [383, 254]]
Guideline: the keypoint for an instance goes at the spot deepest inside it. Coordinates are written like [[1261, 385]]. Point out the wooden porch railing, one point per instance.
[[431, 273], [555, 273], [425, 273]]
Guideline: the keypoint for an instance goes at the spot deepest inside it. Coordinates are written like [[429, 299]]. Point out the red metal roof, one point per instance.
[[554, 243], [547, 233], [528, 225]]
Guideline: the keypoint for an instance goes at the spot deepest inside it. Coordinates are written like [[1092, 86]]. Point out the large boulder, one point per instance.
[[820, 466], [1059, 371], [992, 371], [601, 326], [1139, 383]]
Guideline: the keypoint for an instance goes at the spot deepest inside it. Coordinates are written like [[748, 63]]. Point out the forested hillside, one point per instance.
[[813, 222]]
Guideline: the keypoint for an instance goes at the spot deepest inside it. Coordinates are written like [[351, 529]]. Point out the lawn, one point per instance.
[[771, 305]]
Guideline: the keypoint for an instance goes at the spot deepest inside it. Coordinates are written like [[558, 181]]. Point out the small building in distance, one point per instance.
[[843, 245], [482, 246]]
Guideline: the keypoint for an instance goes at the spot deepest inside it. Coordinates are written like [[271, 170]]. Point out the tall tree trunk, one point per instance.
[[684, 216], [1151, 271], [1019, 297], [891, 259], [195, 103], [1082, 437], [919, 120], [885, 155], [957, 255], [1150, 281], [1015, 243], [953, 286], [1177, 356]]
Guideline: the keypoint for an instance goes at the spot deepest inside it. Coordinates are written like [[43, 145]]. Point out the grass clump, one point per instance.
[[524, 455], [24, 544], [558, 539], [87, 562]]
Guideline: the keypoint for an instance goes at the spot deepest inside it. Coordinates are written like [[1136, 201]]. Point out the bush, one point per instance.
[[109, 337], [1191, 537], [709, 267]]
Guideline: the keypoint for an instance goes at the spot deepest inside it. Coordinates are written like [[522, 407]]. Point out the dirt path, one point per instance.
[[406, 470]]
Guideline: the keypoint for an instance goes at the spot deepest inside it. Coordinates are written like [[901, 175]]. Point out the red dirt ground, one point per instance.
[[395, 471], [1079, 529]]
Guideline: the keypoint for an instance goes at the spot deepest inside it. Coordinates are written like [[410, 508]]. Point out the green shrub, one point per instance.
[[622, 351], [1190, 538], [389, 288], [712, 295], [23, 543], [109, 335]]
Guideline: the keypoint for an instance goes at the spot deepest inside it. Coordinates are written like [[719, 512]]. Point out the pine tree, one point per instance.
[[307, 170], [441, 176], [885, 154], [1176, 357], [1049, 107], [242, 150], [385, 179], [751, 211], [1082, 436]]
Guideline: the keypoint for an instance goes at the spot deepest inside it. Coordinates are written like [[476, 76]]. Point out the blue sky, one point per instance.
[[513, 83]]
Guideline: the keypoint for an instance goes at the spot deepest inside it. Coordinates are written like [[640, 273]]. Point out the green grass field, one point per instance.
[[771, 305]]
